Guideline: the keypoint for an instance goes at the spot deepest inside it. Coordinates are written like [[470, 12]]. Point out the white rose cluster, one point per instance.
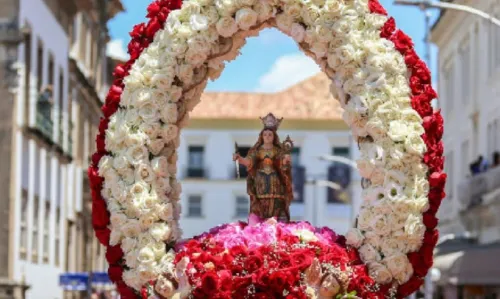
[[369, 77]]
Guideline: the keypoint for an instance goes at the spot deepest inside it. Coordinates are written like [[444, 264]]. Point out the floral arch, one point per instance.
[[386, 93]]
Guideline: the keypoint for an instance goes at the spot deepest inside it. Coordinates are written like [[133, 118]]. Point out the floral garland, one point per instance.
[[384, 88]]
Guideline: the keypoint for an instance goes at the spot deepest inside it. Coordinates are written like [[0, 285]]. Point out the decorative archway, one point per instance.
[[385, 90]]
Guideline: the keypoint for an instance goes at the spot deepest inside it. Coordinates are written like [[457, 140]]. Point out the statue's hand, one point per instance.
[[236, 157], [287, 159]]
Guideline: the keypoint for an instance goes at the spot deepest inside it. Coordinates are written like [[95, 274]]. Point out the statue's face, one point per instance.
[[268, 137]]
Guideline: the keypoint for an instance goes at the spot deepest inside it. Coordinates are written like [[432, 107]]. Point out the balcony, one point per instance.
[[44, 124], [472, 191], [196, 173]]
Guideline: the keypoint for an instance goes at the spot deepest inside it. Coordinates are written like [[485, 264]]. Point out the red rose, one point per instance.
[[253, 262], [409, 287], [163, 14], [153, 10], [103, 125], [114, 254], [238, 251], [109, 109], [411, 58], [115, 273], [241, 284], [422, 71], [421, 105], [437, 180], [96, 194], [433, 125], [376, 7], [174, 4], [138, 31], [94, 178], [427, 252], [302, 258], [431, 238], [153, 27], [401, 41], [113, 97], [430, 220], [119, 71], [103, 235], [100, 216], [435, 162], [226, 280], [416, 85], [209, 283], [278, 281], [100, 143], [354, 257], [134, 49], [96, 157], [430, 92], [388, 28], [126, 292], [418, 266], [341, 241]]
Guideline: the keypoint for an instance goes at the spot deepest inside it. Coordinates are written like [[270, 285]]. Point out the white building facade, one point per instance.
[[213, 195], [469, 89]]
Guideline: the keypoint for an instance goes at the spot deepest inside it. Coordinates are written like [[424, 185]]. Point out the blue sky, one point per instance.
[[271, 61]]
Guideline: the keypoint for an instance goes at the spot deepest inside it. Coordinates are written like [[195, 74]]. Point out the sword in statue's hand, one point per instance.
[[236, 151]]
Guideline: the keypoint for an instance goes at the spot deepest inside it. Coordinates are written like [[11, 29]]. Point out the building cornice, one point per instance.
[[256, 124]]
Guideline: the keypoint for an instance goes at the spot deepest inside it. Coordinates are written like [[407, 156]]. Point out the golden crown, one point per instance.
[[271, 122]]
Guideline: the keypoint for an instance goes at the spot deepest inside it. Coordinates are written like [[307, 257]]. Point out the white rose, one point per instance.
[[159, 166], [128, 176], [166, 212], [414, 225], [380, 273], [380, 225], [284, 23], [198, 22], [398, 130], [144, 172], [199, 43], [365, 167], [131, 278], [156, 146], [212, 16], [396, 263], [131, 258], [111, 176], [373, 193], [354, 237], [131, 117], [365, 218], [147, 272], [105, 164], [149, 113], [112, 205], [172, 169], [146, 256], [118, 219], [195, 58], [169, 132], [319, 49], [391, 246], [136, 139], [310, 14], [293, 10], [140, 189], [369, 254], [264, 11], [176, 231], [414, 144], [162, 185], [160, 231], [405, 275], [175, 93], [115, 237], [120, 163], [177, 46], [226, 26], [128, 244], [375, 128], [132, 228], [305, 235], [393, 191], [136, 154], [246, 18], [373, 239], [297, 32], [169, 114]]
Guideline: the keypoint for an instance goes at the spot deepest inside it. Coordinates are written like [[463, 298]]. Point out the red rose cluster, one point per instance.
[[422, 95], [267, 271], [142, 36]]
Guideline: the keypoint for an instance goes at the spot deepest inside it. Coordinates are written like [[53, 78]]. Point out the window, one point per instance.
[[449, 171], [242, 207], [194, 206], [465, 158], [27, 76], [448, 88], [465, 80], [35, 230], [196, 162], [24, 224], [341, 152], [39, 65], [46, 230]]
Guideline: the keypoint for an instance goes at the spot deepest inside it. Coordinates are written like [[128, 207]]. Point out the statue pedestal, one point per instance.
[[10, 289]]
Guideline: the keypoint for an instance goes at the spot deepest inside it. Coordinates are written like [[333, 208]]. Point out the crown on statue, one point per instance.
[[271, 122]]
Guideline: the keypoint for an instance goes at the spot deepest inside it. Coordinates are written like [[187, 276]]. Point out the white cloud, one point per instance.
[[287, 71], [115, 49]]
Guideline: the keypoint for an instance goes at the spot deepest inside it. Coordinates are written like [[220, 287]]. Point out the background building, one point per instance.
[[49, 115], [212, 194], [469, 76]]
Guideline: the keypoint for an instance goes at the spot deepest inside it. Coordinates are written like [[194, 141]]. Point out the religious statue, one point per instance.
[[269, 181]]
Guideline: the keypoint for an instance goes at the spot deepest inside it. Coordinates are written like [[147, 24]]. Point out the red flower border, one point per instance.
[[142, 35], [422, 95]]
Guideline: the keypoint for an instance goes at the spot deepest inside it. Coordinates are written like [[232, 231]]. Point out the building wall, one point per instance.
[[469, 72], [220, 189]]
